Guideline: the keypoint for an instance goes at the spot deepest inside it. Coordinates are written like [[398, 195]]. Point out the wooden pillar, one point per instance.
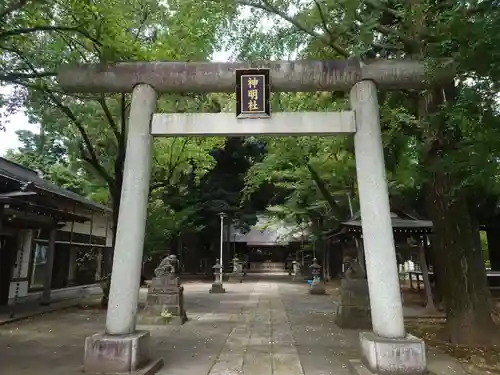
[[328, 255], [73, 255], [47, 284], [1, 217], [98, 270], [227, 235], [323, 263], [493, 237]]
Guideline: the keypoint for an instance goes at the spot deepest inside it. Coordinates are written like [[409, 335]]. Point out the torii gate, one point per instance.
[[123, 349]]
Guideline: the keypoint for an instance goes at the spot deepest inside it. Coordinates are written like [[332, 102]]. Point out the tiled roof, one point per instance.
[[17, 173]]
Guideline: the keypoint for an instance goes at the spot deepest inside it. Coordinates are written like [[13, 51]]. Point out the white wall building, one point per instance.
[[50, 238]]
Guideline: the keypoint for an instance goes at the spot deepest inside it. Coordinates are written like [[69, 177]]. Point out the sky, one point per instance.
[[18, 121]]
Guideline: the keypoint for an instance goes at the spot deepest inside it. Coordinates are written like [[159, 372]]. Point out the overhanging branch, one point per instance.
[[34, 29], [380, 5], [46, 28], [323, 20], [109, 116], [172, 165], [12, 76], [337, 211], [271, 9], [93, 160], [12, 7]]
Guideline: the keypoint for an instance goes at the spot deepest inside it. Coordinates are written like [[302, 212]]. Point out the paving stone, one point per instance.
[[257, 363]]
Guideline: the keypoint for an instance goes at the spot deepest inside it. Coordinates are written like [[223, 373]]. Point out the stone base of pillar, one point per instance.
[[217, 288], [353, 310], [106, 354], [382, 355], [317, 287]]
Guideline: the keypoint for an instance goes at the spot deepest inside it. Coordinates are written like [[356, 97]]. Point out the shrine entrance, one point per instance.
[[382, 349]]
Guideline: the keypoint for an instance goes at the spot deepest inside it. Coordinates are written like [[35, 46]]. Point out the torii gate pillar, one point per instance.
[[388, 349]]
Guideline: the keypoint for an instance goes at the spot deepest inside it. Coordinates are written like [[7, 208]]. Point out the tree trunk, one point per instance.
[[464, 285], [463, 275], [115, 206]]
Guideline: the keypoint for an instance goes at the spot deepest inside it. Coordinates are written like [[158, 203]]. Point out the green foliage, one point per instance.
[[88, 131], [179, 164], [441, 143], [333, 29], [312, 175], [48, 157]]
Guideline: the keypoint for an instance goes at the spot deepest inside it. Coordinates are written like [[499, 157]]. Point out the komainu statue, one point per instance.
[[166, 266]]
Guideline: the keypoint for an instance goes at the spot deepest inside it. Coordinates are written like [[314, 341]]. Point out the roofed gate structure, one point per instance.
[[388, 348], [404, 227]]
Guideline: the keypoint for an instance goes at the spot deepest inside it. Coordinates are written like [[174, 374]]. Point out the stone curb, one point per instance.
[[61, 305]]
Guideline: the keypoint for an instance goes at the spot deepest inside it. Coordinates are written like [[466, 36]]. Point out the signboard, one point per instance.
[[252, 93]]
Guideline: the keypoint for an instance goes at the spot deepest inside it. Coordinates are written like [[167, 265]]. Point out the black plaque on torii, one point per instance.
[[252, 93]]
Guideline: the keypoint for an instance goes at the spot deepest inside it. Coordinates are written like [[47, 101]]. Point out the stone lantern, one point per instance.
[[317, 286], [217, 284], [315, 269]]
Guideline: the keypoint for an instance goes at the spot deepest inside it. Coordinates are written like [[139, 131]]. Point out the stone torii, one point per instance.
[[388, 348]]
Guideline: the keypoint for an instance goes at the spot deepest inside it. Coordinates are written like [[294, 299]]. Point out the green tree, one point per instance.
[[179, 165], [49, 157], [93, 127], [450, 128], [29, 25]]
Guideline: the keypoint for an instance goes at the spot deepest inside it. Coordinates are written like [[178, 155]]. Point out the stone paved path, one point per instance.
[[256, 328], [261, 342]]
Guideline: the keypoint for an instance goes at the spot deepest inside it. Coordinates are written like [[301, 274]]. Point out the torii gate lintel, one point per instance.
[[211, 77]]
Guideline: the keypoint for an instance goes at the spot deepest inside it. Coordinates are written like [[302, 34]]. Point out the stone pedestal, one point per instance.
[[353, 310], [317, 287], [119, 354], [217, 286], [165, 294], [390, 355]]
